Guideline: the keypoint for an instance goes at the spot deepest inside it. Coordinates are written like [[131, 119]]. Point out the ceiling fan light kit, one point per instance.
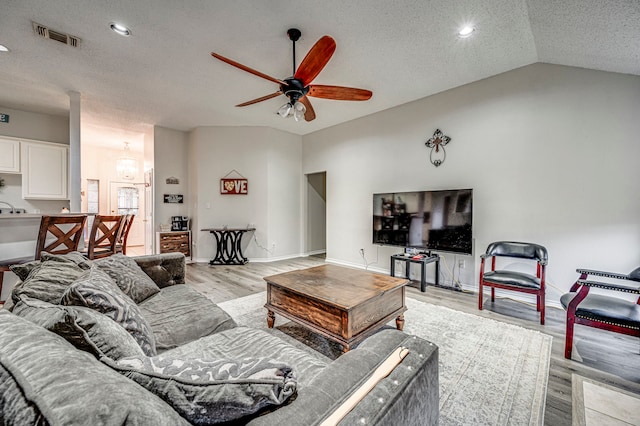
[[298, 88]]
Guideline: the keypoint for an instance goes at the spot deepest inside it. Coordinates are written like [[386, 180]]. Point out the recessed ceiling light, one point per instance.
[[120, 29], [3, 48], [466, 31]]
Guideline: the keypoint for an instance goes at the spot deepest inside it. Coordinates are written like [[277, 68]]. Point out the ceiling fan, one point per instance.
[[298, 87]]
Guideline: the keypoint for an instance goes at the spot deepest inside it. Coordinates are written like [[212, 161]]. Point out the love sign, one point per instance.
[[234, 186]]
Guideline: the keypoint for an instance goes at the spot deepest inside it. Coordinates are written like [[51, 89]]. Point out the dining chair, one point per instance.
[[58, 234], [513, 280], [104, 236], [121, 245]]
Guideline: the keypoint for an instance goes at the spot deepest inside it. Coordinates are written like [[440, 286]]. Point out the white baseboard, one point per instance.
[[258, 259], [315, 252]]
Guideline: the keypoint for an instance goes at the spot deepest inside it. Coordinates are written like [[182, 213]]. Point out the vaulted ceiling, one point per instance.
[[163, 73]]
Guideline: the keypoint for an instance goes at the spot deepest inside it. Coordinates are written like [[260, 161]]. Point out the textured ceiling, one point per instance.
[[163, 73]]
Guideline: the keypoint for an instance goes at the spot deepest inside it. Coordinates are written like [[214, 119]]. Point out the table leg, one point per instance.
[[271, 319], [438, 271], [400, 322], [423, 277], [345, 349], [393, 267]]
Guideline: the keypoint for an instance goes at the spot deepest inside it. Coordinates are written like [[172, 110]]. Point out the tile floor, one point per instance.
[[135, 250], [604, 405]]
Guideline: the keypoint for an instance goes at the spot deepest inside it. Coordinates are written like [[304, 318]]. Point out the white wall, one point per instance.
[[42, 127], [170, 160], [31, 125], [551, 153], [270, 160]]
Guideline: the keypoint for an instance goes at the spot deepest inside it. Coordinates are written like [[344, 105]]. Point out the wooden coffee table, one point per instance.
[[343, 304]]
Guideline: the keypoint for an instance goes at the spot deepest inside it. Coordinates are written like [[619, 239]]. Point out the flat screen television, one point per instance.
[[428, 220]]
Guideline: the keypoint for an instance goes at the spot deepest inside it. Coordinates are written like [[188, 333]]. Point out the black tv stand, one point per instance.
[[423, 259]]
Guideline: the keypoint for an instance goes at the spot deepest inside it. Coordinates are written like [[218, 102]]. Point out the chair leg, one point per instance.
[[1, 280], [538, 302], [480, 290], [541, 303], [493, 294], [568, 342]]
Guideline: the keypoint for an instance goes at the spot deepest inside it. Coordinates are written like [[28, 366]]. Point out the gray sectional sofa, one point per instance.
[[123, 341]]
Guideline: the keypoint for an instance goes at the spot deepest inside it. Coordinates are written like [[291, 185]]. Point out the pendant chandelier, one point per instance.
[[126, 165]]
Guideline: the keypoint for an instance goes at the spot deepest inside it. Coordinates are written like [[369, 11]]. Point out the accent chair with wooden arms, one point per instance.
[[514, 280], [605, 310], [57, 235]]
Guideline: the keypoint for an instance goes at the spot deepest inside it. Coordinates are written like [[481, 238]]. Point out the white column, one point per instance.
[[75, 157]]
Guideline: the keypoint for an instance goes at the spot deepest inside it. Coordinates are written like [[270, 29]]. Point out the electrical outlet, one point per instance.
[[461, 263]]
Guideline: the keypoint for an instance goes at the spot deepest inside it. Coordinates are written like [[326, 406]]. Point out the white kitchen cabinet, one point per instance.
[[9, 155], [45, 174]]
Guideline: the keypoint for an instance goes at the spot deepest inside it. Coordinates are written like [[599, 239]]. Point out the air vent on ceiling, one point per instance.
[[46, 32]]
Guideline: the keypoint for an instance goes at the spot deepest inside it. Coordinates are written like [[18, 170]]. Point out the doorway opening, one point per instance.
[[128, 198], [316, 232]]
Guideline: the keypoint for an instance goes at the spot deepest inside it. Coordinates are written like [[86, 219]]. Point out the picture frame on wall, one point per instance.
[[174, 198]]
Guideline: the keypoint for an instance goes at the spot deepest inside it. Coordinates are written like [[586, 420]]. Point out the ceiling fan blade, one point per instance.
[[315, 60], [264, 98], [339, 93], [246, 68], [309, 114]]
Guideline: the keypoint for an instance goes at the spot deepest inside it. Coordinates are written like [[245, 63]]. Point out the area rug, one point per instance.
[[491, 373]]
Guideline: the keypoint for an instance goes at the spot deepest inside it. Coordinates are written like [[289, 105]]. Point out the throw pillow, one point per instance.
[[85, 328], [129, 276], [22, 270], [47, 282], [68, 386], [74, 256], [96, 290], [205, 392]]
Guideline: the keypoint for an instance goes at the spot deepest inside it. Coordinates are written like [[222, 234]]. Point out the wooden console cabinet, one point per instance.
[[174, 241]]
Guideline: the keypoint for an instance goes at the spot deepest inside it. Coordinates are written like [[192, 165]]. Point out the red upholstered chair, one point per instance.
[[605, 310], [513, 280], [58, 235]]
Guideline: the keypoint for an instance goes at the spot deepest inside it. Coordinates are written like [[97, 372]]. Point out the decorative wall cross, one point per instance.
[[437, 143]]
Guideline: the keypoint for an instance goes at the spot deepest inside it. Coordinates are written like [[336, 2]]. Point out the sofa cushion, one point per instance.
[[211, 391], [63, 382], [96, 290], [239, 342], [85, 328], [16, 409], [128, 276], [47, 281], [179, 315]]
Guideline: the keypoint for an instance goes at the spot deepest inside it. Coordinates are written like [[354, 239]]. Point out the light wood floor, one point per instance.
[[606, 357]]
